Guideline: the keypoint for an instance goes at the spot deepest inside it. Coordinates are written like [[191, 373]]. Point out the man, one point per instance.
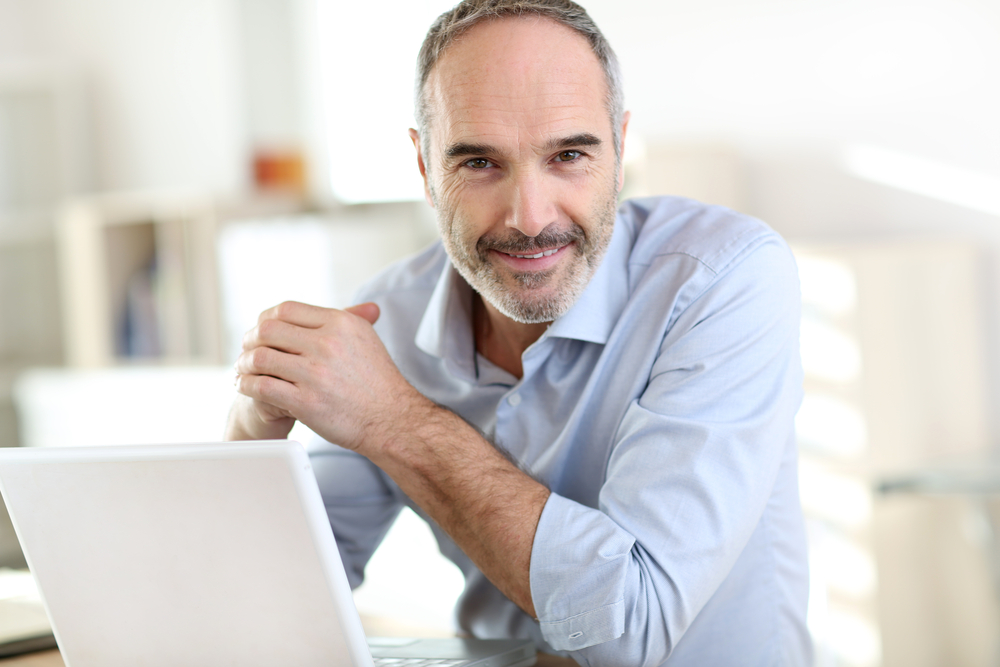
[[593, 411]]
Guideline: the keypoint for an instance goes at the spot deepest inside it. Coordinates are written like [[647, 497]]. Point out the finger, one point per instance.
[[258, 411], [368, 311], [268, 361], [279, 335], [299, 314], [270, 390]]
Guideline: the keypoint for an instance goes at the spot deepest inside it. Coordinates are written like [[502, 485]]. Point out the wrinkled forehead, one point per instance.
[[522, 74]]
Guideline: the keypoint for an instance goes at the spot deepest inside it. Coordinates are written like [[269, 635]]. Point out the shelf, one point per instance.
[[139, 280]]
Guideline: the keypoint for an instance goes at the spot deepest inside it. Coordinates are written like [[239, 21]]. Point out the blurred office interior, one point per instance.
[[169, 168]]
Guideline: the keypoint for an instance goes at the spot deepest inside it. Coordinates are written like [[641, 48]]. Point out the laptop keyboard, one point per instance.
[[417, 662]]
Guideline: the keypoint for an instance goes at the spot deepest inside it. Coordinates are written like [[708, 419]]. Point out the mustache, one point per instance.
[[521, 244]]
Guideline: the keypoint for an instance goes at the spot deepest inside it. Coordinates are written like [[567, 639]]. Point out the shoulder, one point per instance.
[[715, 237], [690, 258]]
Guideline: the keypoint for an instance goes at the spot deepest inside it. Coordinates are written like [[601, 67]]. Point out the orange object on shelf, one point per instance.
[[279, 171]]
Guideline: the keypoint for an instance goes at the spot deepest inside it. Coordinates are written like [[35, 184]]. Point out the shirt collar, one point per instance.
[[445, 330], [596, 312]]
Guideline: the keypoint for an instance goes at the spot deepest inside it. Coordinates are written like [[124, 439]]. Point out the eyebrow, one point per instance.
[[582, 139], [463, 149]]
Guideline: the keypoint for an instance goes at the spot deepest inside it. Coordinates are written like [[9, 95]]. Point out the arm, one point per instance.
[[693, 468], [329, 369], [487, 505]]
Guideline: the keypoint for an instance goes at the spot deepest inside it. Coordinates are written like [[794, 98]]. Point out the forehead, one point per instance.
[[517, 79]]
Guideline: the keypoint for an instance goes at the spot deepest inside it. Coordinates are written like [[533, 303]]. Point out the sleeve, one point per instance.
[[359, 502], [692, 467]]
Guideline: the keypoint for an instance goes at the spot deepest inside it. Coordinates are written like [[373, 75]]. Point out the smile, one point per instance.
[[544, 253]]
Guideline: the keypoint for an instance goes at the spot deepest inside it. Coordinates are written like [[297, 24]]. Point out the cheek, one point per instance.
[[448, 191], [470, 212], [582, 194]]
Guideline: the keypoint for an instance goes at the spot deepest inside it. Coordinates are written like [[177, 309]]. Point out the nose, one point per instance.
[[533, 208]]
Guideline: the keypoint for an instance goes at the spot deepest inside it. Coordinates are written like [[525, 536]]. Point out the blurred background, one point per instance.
[[170, 168]]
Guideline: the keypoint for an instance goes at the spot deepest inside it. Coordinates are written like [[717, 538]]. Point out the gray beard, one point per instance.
[[521, 305]]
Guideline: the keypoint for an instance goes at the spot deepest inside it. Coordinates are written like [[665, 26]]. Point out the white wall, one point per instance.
[[169, 107], [164, 83], [786, 86], [16, 32], [918, 75]]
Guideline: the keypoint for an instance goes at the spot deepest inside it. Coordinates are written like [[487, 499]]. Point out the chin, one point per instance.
[[534, 306]]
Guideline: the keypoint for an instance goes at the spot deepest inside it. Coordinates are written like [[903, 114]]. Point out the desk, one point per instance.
[[40, 659], [373, 626], [53, 659]]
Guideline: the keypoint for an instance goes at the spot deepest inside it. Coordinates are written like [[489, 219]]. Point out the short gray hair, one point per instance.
[[469, 13]]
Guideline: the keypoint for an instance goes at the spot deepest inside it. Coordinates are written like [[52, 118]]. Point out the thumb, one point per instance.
[[368, 311]]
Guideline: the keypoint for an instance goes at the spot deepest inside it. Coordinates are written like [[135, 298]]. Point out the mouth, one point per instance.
[[544, 253], [536, 261]]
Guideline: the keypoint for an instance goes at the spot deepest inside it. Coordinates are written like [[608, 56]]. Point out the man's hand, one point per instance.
[[328, 369], [324, 367], [254, 420]]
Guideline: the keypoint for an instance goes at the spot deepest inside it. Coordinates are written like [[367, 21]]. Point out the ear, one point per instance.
[[621, 150], [415, 138]]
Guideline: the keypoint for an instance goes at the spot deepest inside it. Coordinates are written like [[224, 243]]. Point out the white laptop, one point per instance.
[[213, 554]]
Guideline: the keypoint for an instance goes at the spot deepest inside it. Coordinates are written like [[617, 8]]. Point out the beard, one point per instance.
[[530, 297]]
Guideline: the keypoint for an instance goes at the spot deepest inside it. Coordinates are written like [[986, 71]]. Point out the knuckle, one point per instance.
[[265, 388], [247, 386], [266, 329], [285, 309], [245, 342], [259, 357]]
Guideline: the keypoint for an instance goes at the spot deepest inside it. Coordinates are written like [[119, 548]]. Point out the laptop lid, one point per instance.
[[209, 554], [172, 555]]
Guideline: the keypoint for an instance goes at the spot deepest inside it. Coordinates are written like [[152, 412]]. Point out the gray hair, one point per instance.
[[469, 13]]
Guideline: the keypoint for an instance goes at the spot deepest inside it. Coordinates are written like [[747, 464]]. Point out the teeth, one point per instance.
[[541, 254]]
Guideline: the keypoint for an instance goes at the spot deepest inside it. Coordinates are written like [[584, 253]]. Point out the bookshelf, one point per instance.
[[138, 279]]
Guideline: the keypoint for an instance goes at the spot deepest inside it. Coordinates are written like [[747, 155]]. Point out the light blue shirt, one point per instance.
[[659, 411]]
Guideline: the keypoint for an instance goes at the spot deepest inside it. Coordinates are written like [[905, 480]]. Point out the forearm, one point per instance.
[[486, 504]]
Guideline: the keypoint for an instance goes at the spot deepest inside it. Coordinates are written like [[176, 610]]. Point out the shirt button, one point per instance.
[[514, 400]]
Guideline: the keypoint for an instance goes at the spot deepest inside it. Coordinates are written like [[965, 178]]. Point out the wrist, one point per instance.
[[403, 429]]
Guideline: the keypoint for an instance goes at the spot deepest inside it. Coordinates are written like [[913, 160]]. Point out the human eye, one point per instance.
[[478, 163], [568, 156]]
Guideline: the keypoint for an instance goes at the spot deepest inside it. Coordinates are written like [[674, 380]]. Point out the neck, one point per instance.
[[501, 339]]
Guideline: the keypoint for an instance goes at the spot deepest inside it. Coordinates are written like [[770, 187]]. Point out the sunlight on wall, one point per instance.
[[368, 109], [931, 178], [836, 498], [831, 425]]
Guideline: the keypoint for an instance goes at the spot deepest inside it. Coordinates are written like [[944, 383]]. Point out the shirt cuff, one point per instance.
[[578, 570]]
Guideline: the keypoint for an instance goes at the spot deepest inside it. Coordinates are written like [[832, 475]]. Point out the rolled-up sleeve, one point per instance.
[[691, 469]]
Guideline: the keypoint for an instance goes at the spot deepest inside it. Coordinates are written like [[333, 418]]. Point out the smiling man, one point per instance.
[[591, 405]]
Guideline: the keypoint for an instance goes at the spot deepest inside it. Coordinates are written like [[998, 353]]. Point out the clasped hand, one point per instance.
[[324, 367]]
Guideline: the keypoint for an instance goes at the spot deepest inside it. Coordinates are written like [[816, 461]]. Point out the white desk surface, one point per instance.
[[373, 626]]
